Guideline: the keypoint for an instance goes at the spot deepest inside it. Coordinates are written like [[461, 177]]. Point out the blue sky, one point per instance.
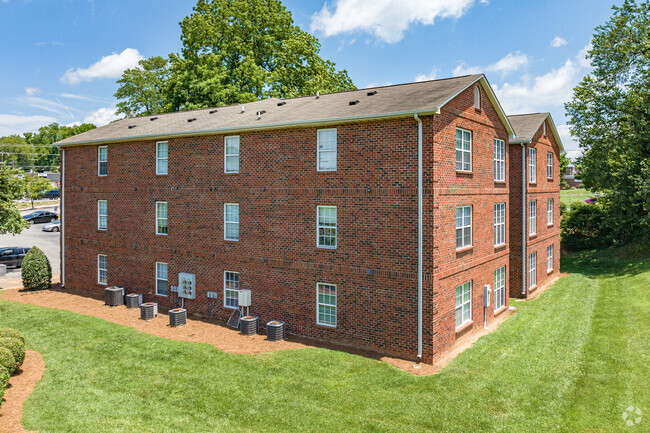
[[61, 58]]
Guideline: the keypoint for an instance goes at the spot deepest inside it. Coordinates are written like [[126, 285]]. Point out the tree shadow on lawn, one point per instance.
[[627, 260]]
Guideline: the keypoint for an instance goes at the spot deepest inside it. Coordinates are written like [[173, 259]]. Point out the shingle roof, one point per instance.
[[527, 125], [388, 101]]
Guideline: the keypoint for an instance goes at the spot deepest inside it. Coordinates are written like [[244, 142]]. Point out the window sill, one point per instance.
[[533, 183], [464, 327], [500, 311], [549, 271], [465, 172], [158, 294], [161, 174], [532, 236], [161, 234], [500, 247], [325, 171], [102, 284], [500, 182], [532, 288], [464, 249], [231, 240], [318, 247], [549, 225], [102, 230], [324, 326]]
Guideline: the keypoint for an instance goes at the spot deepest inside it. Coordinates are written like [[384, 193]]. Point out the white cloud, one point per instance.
[[110, 66], [55, 106], [427, 77], [571, 145], [53, 43], [101, 116], [32, 90], [581, 58], [558, 42], [510, 63], [75, 123], [386, 19], [14, 124]]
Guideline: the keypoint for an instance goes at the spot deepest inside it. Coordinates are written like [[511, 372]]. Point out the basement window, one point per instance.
[[231, 289], [326, 314], [499, 288], [102, 269], [161, 279], [463, 304]]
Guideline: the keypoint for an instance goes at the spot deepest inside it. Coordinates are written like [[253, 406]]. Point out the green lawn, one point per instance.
[[570, 361], [570, 196]]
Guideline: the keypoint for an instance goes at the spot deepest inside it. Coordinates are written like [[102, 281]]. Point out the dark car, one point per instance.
[[41, 216], [55, 193], [12, 256]]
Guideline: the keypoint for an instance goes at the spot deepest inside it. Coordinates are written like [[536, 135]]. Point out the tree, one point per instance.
[[45, 157], [564, 166], [143, 89], [11, 188], [609, 114], [35, 186]]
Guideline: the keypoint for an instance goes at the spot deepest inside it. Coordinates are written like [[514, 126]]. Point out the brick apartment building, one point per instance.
[[371, 218]]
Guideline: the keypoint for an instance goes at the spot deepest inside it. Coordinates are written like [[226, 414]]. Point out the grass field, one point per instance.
[[571, 361], [570, 196]]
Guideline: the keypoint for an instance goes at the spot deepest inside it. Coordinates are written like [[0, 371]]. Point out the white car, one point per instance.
[[53, 226]]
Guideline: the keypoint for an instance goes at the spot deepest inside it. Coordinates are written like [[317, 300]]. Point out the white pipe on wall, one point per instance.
[[523, 218], [62, 217], [419, 235]]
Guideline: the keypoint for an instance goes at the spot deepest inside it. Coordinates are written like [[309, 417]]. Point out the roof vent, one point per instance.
[[355, 102], [132, 126], [213, 111], [317, 95], [242, 108], [374, 92], [153, 118], [192, 119], [281, 103], [259, 114]]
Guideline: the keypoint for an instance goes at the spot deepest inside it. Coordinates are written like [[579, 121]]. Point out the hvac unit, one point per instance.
[[133, 300], [114, 296], [275, 330], [177, 317], [148, 310], [248, 325]]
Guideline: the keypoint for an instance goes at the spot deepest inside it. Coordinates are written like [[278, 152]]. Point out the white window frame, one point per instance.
[[499, 224], [100, 215], [160, 159], [226, 289], [227, 223], [462, 149], [499, 288], [477, 98], [158, 278], [166, 218], [320, 226], [464, 227], [319, 151], [499, 160], [532, 165], [227, 155], [549, 165], [532, 270], [465, 304], [549, 258], [319, 321], [99, 161], [532, 217], [549, 211], [100, 269]]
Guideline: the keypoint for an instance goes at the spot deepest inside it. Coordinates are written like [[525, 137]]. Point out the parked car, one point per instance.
[[13, 256], [591, 200], [41, 216], [52, 227], [52, 194]]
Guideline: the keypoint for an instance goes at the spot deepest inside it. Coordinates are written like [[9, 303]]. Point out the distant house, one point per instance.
[[570, 177], [379, 218]]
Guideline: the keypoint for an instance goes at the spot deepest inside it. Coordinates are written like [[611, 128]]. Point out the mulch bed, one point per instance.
[[21, 384]]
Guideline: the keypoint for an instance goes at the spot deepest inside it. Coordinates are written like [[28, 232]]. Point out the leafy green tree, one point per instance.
[[15, 152], [609, 114], [35, 186], [36, 270], [46, 157], [12, 188], [142, 90], [564, 165]]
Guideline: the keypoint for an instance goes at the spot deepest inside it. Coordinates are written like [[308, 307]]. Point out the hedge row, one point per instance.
[[12, 355]]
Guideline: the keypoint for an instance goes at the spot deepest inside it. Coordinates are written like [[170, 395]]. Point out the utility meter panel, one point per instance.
[[186, 285]]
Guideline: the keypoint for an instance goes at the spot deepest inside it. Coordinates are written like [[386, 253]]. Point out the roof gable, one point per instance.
[[527, 125]]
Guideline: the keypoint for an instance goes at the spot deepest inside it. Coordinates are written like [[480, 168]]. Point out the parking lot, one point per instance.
[[33, 236]]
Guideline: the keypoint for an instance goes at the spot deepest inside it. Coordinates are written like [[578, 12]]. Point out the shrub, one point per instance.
[[37, 272], [8, 332], [4, 381], [16, 347], [7, 360], [586, 226]]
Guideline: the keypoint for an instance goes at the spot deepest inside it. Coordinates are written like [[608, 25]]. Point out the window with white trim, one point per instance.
[[102, 269], [161, 217], [549, 212], [477, 98], [326, 314], [231, 289], [549, 165], [532, 165], [231, 145], [532, 270], [499, 224], [231, 221], [499, 288], [102, 215], [102, 161], [532, 217], [326, 220], [161, 157], [161, 279], [463, 150], [326, 144], [549, 257], [463, 227], [499, 160], [463, 304]]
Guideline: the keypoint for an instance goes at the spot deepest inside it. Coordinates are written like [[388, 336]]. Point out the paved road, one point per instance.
[[33, 236]]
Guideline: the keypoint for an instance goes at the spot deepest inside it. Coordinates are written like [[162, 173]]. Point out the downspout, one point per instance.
[[524, 207], [62, 217], [419, 235]]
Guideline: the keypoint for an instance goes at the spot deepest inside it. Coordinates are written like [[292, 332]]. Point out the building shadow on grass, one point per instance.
[[628, 260]]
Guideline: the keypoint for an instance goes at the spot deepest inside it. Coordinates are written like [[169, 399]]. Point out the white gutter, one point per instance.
[[419, 235], [524, 207], [62, 217]]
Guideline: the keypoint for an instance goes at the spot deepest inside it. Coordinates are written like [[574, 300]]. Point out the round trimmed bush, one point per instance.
[[7, 360], [12, 333], [37, 271], [4, 381], [16, 347]]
